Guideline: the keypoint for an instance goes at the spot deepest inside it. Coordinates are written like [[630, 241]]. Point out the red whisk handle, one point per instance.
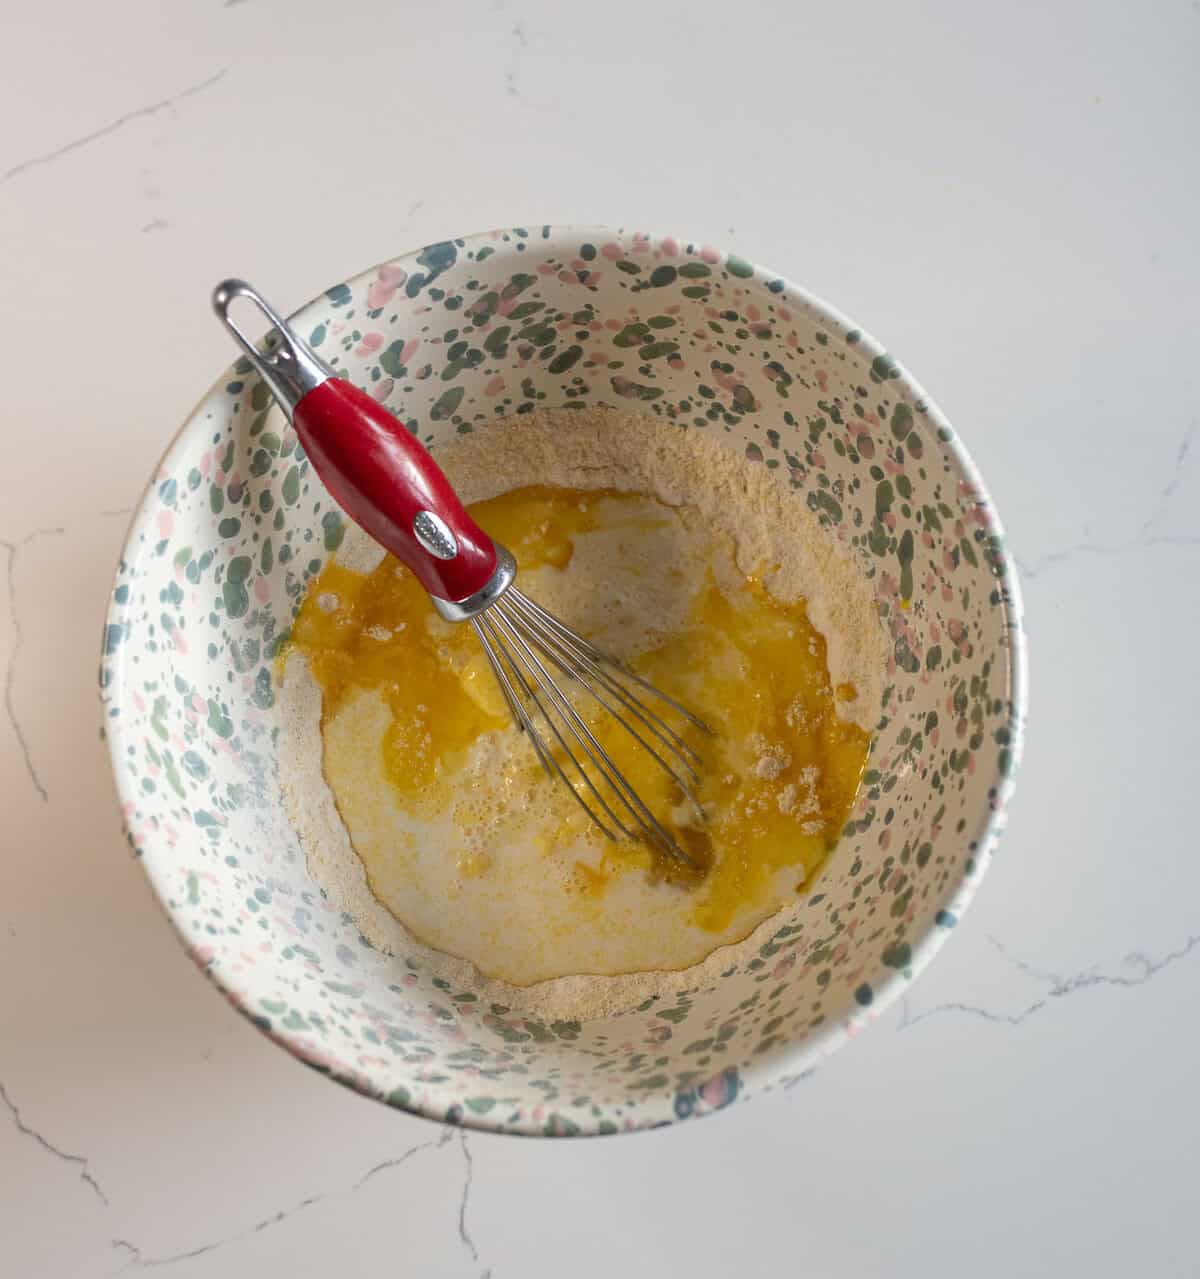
[[386, 481]]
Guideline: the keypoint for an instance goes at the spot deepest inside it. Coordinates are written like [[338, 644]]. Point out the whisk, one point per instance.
[[388, 483]]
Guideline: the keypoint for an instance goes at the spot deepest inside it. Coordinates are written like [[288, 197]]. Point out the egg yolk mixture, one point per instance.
[[779, 773]]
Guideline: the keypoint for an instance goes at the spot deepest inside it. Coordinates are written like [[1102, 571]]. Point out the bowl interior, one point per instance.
[[454, 338]]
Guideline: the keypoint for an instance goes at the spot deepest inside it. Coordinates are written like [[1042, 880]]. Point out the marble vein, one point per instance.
[[1147, 538], [521, 43], [463, 1233], [137, 1258], [1144, 968], [66, 1156], [138, 113], [10, 675]]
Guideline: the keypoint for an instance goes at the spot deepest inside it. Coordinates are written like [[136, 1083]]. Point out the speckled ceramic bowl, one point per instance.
[[454, 337]]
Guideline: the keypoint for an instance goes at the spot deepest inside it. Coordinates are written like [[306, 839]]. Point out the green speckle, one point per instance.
[[694, 271], [566, 359], [883, 367], [218, 721], [437, 257], [291, 485], [631, 335], [390, 360], [264, 696], [739, 267], [317, 336], [905, 554], [496, 340], [864, 995], [447, 403], [662, 276], [194, 765], [231, 526], [884, 495], [635, 390], [902, 420], [237, 599], [898, 955], [339, 295], [656, 350], [335, 530]]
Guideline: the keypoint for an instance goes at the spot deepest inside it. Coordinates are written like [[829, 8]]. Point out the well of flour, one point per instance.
[[423, 812]]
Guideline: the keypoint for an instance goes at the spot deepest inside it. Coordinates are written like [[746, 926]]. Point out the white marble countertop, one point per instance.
[[1009, 195]]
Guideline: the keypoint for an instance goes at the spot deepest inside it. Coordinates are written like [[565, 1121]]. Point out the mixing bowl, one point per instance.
[[454, 338]]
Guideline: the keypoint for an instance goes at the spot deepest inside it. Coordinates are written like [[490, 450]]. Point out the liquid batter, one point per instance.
[[463, 838]]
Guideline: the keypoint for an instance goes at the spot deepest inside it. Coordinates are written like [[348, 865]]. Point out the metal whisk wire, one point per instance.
[[522, 642]]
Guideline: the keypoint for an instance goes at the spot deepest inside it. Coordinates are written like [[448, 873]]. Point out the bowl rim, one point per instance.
[[786, 1063]]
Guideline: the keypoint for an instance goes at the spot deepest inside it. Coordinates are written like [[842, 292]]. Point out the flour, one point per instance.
[[775, 537]]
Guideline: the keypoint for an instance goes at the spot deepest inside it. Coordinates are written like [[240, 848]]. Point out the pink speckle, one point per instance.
[[178, 642], [371, 342], [612, 251], [205, 464], [641, 242], [670, 246], [494, 385], [166, 523], [710, 255], [612, 325], [546, 269], [383, 289], [261, 590], [381, 390], [822, 379]]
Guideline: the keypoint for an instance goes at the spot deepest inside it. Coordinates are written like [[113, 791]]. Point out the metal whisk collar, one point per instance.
[[526, 646]]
